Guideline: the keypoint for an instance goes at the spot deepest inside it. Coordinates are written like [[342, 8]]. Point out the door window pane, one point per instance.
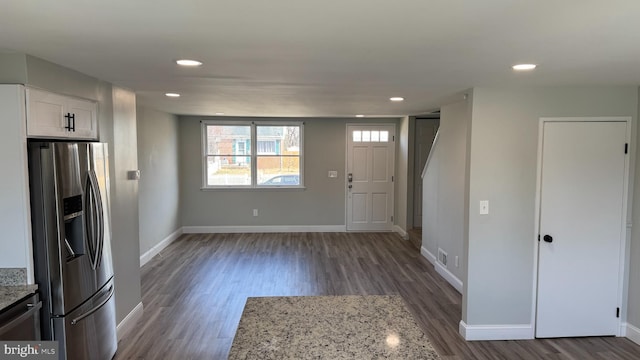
[[357, 136], [375, 136], [366, 136], [384, 136]]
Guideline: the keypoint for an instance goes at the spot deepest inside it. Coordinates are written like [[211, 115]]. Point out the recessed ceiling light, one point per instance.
[[396, 98], [359, 115], [172, 94], [219, 113], [524, 67], [187, 62]]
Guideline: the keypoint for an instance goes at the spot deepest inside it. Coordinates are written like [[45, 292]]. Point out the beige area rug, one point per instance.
[[329, 327]]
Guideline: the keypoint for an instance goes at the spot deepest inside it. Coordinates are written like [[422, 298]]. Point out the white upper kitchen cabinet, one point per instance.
[[51, 115], [15, 213]]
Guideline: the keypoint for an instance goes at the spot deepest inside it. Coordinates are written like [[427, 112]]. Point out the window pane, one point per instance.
[[366, 136], [384, 136], [375, 136], [228, 140], [357, 136], [278, 140], [266, 147], [228, 170], [278, 170]]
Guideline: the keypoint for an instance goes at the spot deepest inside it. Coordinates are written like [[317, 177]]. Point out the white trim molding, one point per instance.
[[401, 232], [428, 255], [632, 333], [129, 321], [496, 332], [262, 229], [443, 271], [448, 275], [149, 254]]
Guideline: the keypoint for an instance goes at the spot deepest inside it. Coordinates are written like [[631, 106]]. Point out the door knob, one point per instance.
[[548, 238]]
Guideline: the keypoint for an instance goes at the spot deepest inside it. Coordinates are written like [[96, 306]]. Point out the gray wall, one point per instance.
[[321, 203], [444, 186], [159, 186], [124, 203], [13, 68], [504, 142], [46, 75]]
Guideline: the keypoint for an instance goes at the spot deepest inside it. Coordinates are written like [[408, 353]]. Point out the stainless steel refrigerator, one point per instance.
[[69, 187]]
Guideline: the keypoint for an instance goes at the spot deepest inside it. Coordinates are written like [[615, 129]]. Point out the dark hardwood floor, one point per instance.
[[195, 290]]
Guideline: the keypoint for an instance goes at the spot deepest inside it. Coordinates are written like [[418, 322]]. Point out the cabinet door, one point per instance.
[[85, 118], [56, 116], [45, 114]]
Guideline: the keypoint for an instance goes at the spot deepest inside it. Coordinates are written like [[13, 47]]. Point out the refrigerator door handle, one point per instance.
[[90, 220], [94, 309], [95, 226], [99, 241]]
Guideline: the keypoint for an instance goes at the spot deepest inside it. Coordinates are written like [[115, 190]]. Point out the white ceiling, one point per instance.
[[328, 57]]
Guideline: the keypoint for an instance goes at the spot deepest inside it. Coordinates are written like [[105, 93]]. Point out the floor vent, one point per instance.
[[442, 257]]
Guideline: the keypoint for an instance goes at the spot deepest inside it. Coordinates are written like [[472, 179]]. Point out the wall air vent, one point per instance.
[[442, 257]]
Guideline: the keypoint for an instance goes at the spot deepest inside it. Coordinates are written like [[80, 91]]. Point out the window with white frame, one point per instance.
[[252, 155]]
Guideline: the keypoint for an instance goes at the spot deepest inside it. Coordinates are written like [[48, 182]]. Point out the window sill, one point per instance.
[[261, 188]]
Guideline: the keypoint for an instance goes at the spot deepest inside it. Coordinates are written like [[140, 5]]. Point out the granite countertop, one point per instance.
[[13, 286], [11, 294], [329, 327]]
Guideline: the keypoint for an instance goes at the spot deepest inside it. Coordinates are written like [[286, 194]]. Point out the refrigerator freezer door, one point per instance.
[[89, 332]]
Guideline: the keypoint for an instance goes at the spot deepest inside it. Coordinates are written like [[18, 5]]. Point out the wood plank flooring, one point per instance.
[[195, 290]]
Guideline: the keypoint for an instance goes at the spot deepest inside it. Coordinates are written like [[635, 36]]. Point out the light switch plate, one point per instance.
[[333, 174], [133, 175], [484, 207]]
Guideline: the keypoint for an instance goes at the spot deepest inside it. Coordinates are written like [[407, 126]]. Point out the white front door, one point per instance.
[[370, 166], [581, 227]]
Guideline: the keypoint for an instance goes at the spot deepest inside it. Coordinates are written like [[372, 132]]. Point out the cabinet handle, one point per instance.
[[71, 122]]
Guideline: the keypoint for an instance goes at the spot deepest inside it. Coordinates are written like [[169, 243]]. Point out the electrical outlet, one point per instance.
[[333, 174], [255, 212]]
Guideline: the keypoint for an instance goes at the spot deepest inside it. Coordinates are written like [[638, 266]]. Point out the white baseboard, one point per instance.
[[633, 333], [428, 255], [622, 330], [129, 321], [496, 332], [402, 232], [262, 229], [144, 258], [448, 275]]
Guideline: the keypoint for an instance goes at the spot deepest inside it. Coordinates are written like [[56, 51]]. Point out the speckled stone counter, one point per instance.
[[329, 327], [13, 286], [11, 294]]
